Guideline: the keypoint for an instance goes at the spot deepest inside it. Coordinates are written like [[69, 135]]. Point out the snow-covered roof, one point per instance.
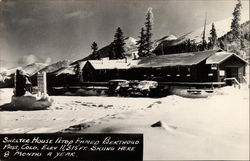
[[112, 64], [220, 57], [191, 58]]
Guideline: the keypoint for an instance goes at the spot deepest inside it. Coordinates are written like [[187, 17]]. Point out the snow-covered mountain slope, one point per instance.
[[29, 69], [70, 69], [7, 76], [56, 66], [129, 47], [222, 27], [168, 38], [32, 69], [12, 70], [130, 43]]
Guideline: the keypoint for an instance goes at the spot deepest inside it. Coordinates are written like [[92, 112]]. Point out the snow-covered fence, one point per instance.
[[235, 81]]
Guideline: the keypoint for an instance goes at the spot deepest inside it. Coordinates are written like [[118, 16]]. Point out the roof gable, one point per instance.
[[219, 57]]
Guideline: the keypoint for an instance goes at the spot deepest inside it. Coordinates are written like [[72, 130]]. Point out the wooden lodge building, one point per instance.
[[105, 70], [203, 66]]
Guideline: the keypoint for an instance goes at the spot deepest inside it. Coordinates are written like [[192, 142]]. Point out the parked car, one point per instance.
[[123, 88], [114, 86], [144, 88], [149, 89]]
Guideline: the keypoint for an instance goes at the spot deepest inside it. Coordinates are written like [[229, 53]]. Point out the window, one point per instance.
[[214, 66], [222, 72], [210, 74]]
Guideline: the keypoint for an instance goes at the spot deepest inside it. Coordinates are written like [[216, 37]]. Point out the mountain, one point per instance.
[[56, 66], [160, 45], [68, 69], [30, 69], [168, 38], [222, 28], [7, 77], [129, 47]]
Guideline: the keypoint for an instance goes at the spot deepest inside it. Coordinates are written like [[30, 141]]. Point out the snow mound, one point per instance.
[[186, 93], [30, 102]]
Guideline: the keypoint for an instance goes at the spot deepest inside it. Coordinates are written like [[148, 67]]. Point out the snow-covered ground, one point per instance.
[[213, 128]]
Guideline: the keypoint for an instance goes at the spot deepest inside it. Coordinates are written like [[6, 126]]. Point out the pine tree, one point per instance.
[[222, 45], [111, 54], [148, 33], [213, 38], [141, 43], [242, 44], [119, 43], [98, 55], [94, 48], [235, 25], [189, 46], [194, 46]]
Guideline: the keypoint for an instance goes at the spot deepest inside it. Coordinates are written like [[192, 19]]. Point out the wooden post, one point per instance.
[[14, 90], [42, 83]]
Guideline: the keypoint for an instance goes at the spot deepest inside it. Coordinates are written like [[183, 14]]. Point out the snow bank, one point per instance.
[[28, 102]]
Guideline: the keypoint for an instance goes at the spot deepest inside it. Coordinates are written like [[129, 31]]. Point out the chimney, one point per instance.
[[126, 60]]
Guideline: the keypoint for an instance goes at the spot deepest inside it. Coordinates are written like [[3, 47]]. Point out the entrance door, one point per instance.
[[232, 72]]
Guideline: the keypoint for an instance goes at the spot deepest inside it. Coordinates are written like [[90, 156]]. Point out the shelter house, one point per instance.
[[203, 66]]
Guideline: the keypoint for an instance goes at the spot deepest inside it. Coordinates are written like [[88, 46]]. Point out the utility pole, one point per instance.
[[204, 33]]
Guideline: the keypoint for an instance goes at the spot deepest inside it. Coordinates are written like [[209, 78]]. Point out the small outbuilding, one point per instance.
[[105, 70]]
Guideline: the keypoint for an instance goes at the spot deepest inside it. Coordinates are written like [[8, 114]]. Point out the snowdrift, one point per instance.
[[28, 102]]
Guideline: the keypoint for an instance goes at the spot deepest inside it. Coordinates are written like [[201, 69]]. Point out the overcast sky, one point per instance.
[[39, 31]]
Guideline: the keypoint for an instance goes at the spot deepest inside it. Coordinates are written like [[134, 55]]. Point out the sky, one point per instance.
[[51, 30]]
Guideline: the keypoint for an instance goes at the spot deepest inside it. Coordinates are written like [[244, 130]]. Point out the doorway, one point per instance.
[[232, 72]]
